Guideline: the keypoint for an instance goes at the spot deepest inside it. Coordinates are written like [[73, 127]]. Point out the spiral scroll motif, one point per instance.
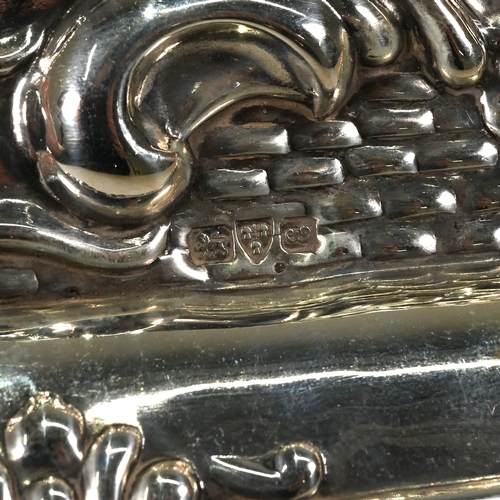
[[92, 99]]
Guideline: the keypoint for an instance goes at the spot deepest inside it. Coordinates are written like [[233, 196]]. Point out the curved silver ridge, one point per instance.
[[488, 13], [109, 462], [27, 227], [6, 489], [51, 488], [168, 480], [294, 471], [18, 46], [375, 27], [67, 184], [457, 47]]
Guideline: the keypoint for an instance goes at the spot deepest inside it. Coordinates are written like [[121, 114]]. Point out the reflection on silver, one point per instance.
[[168, 480], [325, 135], [51, 488], [17, 47], [403, 87], [375, 28], [316, 187], [334, 246], [488, 15], [479, 236], [246, 141], [490, 101], [229, 184], [27, 227], [143, 132], [481, 487], [105, 196], [396, 122], [109, 462], [17, 282], [399, 241], [294, 471], [276, 210], [419, 199], [306, 172], [457, 48], [357, 202], [381, 160], [6, 488], [461, 114], [464, 152]]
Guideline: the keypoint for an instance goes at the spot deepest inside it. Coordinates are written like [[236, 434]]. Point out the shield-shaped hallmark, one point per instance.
[[255, 238]]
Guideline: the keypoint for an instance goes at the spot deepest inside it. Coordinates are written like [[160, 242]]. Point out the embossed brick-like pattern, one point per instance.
[[400, 180]]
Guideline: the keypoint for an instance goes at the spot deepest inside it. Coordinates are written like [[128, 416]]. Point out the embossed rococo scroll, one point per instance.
[[224, 142], [45, 459], [108, 116], [48, 455]]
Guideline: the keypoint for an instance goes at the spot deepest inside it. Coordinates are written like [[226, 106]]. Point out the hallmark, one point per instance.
[[211, 245], [299, 235], [255, 238]]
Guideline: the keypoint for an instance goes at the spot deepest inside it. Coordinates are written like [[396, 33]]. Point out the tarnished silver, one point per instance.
[[45, 437], [249, 249]]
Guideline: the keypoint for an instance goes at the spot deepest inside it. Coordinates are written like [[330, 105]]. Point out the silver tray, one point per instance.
[[249, 249]]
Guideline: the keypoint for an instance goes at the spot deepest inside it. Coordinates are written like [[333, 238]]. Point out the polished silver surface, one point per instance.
[[457, 153], [139, 136], [49, 489], [326, 135], [225, 183], [109, 461], [396, 122], [400, 405], [175, 480], [402, 87], [247, 141], [420, 199], [375, 29], [249, 249], [18, 46], [294, 471], [6, 491], [26, 226], [305, 172], [381, 160], [454, 40]]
